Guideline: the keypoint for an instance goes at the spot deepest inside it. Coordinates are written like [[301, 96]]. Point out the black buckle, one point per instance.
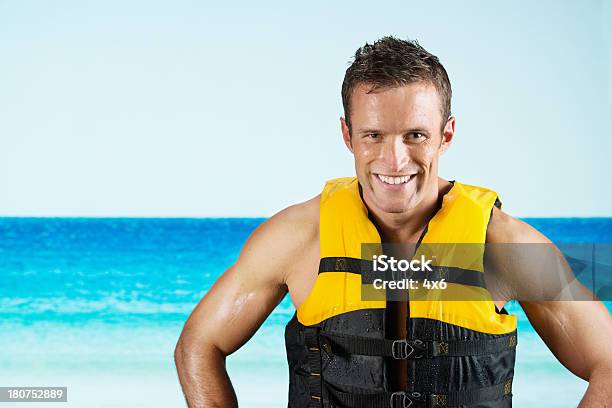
[[401, 349], [400, 400], [420, 347]]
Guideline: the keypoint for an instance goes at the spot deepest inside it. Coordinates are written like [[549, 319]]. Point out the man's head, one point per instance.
[[396, 99], [391, 62]]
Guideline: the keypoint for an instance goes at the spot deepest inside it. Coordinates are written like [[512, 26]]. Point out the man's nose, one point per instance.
[[395, 153]]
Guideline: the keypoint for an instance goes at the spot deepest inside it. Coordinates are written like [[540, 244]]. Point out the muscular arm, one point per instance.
[[237, 304], [577, 332]]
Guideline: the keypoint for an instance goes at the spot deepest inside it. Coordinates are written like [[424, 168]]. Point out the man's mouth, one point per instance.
[[393, 180]]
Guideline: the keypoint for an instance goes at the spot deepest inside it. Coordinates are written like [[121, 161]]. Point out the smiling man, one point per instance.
[[346, 350]]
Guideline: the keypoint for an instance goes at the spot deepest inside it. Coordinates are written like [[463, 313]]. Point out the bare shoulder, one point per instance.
[[280, 239], [295, 224], [503, 228], [530, 254]]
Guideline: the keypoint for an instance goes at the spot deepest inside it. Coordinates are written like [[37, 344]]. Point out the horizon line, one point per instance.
[[245, 217]]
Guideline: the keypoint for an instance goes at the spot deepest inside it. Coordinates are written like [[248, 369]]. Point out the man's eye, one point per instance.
[[415, 137], [373, 136]]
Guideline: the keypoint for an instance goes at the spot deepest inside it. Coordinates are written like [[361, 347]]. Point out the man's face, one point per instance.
[[397, 139]]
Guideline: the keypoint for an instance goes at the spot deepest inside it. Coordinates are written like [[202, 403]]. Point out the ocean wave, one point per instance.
[[66, 305], [111, 304]]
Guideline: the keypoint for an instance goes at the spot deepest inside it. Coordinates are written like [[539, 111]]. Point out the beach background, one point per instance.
[[127, 125], [97, 305]]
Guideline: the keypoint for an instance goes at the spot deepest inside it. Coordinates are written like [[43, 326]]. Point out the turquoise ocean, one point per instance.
[[97, 305]]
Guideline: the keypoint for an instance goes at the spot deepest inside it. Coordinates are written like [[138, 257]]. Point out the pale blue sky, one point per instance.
[[179, 108]]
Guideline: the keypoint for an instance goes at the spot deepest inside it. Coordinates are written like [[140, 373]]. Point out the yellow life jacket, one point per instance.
[[459, 352]]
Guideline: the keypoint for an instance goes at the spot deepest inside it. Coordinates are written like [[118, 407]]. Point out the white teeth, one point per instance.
[[393, 180]]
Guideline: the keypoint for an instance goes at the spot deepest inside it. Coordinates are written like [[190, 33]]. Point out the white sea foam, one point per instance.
[[109, 304]]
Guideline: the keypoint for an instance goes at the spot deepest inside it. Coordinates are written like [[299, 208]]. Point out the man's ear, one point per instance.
[[346, 135], [447, 134]]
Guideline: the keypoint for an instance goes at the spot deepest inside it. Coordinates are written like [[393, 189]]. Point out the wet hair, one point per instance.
[[392, 62]]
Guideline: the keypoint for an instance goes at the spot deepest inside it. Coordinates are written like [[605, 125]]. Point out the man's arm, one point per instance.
[[577, 332], [238, 303]]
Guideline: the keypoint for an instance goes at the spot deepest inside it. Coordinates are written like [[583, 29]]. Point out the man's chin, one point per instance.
[[395, 210], [392, 202], [394, 207]]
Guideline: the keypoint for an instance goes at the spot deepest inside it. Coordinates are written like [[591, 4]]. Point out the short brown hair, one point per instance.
[[391, 62]]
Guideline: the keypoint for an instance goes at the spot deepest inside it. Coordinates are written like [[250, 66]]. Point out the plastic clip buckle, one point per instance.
[[420, 347], [401, 350], [400, 400]]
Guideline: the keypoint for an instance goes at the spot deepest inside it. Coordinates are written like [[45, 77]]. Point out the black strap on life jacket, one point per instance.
[[414, 349], [363, 267], [422, 400], [315, 385], [315, 339]]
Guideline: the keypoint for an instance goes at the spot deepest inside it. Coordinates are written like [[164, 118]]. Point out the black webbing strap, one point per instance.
[[343, 264], [450, 274], [412, 349], [311, 338], [364, 267], [379, 400], [417, 399], [469, 397]]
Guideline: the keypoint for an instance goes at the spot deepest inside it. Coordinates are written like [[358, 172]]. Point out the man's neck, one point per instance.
[[407, 227]]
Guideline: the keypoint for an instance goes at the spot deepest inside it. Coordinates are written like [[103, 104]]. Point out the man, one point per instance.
[[345, 350]]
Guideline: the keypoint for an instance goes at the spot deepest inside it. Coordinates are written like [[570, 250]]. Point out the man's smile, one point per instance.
[[394, 181]]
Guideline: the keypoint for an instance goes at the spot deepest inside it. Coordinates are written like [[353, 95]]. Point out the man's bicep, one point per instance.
[[243, 297], [576, 332], [526, 263], [233, 309]]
